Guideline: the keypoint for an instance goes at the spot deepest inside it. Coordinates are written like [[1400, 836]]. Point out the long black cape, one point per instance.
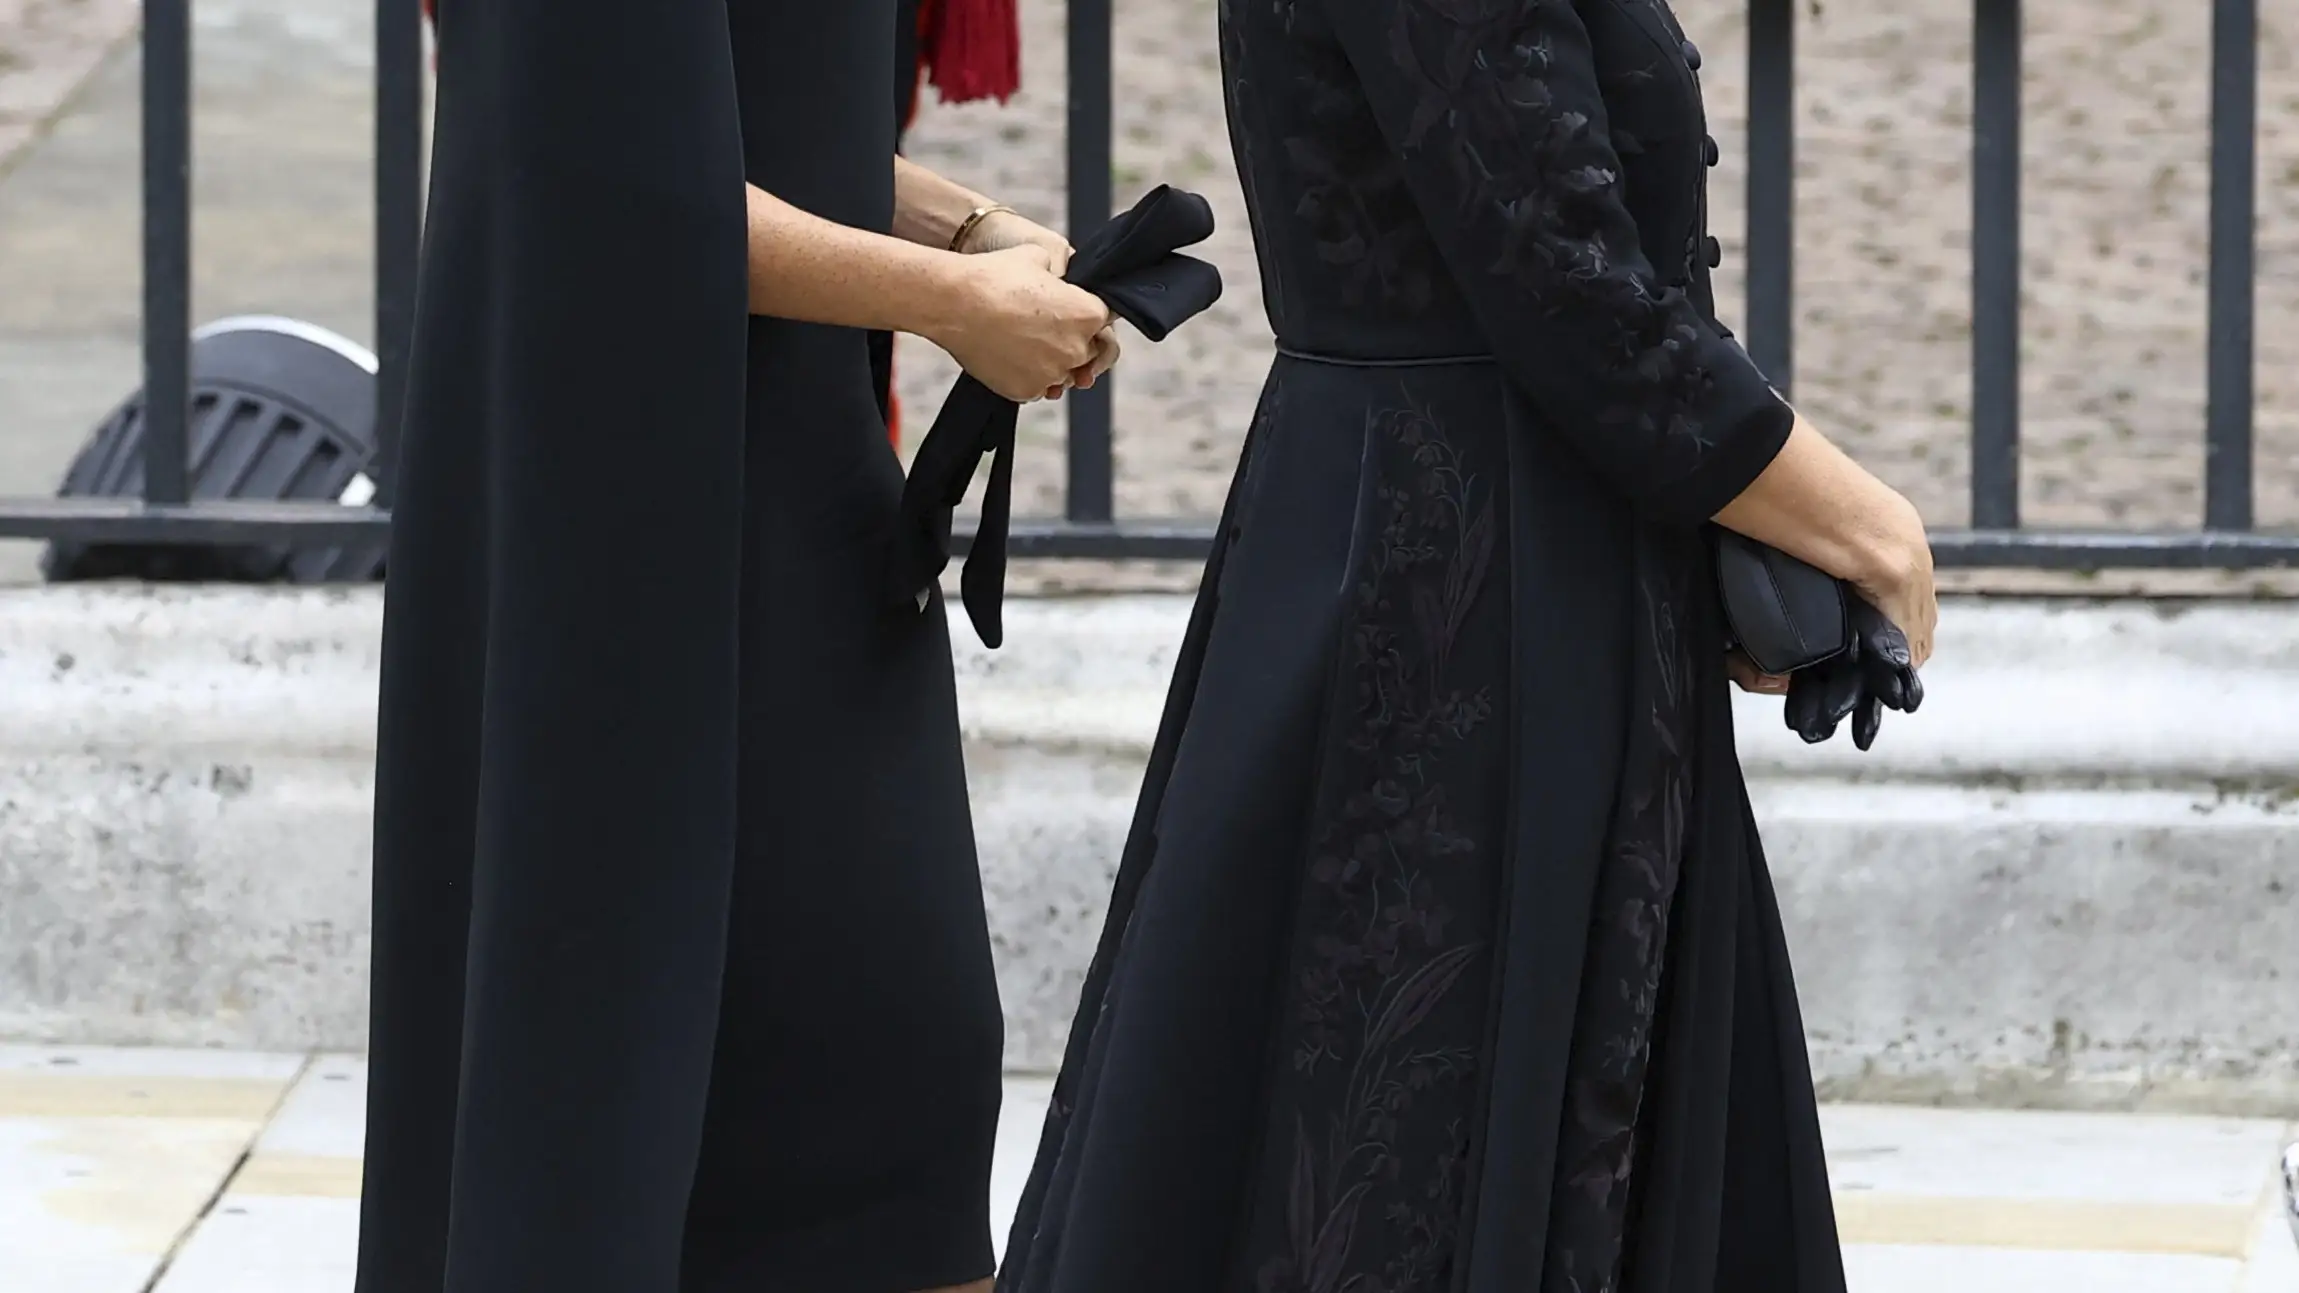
[[555, 784]]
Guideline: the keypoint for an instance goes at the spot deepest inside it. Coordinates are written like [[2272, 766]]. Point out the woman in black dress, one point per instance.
[[1443, 954], [681, 975]]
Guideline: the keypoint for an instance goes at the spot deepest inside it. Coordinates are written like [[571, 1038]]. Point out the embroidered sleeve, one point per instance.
[[1494, 108]]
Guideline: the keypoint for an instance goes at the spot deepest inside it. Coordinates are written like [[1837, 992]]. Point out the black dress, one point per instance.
[[682, 979], [1443, 954]]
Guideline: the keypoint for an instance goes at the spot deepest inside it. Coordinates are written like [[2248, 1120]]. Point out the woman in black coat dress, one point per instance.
[[1443, 954], [681, 976]]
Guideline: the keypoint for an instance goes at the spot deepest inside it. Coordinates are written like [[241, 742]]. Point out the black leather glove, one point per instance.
[[1873, 673]]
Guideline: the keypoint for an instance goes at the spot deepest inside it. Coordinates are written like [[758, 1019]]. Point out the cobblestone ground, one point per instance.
[[2117, 107], [47, 47]]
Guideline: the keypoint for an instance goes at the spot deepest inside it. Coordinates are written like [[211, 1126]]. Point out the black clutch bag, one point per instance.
[[1784, 615], [1841, 656]]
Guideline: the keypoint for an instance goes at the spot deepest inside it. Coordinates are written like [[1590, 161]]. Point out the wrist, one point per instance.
[[1892, 550], [978, 221], [929, 209], [948, 298]]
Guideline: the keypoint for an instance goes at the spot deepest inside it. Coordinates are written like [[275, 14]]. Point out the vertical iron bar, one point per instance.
[[167, 158], [398, 217], [1996, 264], [1090, 493], [1772, 188], [2227, 496]]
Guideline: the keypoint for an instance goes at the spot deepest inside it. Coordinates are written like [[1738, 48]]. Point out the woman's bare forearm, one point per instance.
[[1816, 504], [928, 209], [818, 271]]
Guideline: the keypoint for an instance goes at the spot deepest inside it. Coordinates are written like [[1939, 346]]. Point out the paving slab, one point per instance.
[[1975, 1200], [108, 1158], [289, 1221], [2273, 1265]]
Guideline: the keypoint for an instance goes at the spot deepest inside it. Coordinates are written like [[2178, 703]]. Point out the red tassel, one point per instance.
[[972, 49]]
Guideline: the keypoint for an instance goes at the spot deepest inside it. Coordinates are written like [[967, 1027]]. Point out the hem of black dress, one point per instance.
[[907, 1251]]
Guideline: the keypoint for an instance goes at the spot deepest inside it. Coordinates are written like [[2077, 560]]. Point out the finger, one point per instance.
[[1897, 686], [1804, 716], [1866, 720], [1105, 357], [1840, 692], [1033, 253], [1821, 698], [1749, 678], [1890, 646], [1801, 714]]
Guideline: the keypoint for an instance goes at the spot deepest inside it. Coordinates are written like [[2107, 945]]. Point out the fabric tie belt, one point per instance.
[[1133, 264]]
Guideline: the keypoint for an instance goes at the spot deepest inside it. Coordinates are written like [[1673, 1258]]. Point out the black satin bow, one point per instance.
[[1133, 265]]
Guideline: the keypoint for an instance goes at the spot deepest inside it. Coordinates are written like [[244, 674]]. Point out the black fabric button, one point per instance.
[[1712, 251], [1710, 154], [1692, 56]]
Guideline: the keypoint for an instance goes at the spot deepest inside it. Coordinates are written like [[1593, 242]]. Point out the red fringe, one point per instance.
[[972, 49]]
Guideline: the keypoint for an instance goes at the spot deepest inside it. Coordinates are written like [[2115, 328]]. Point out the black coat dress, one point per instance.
[[1443, 954], [682, 979]]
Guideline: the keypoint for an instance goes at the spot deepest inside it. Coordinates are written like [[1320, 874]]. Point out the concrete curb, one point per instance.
[[2066, 882]]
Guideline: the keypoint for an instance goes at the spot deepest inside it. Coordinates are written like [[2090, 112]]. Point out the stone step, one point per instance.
[[2065, 882]]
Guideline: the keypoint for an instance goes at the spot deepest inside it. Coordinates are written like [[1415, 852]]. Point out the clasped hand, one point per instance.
[[1032, 336], [1876, 671]]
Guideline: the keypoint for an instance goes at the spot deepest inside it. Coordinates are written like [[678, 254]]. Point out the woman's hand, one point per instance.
[[1899, 581], [1748, 677], [1815, 504], [1003, 230], [1022, 331]]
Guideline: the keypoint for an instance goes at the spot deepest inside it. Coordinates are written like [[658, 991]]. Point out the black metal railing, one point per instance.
[[1089, 526]]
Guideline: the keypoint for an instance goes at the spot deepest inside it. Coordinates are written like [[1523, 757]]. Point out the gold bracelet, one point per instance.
[[973, 218]]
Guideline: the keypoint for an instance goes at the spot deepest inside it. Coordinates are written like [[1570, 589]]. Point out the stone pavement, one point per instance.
[[125, 1171]]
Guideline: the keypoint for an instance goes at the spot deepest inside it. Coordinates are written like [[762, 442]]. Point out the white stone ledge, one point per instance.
[[2067, 881], [2058, 691]]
